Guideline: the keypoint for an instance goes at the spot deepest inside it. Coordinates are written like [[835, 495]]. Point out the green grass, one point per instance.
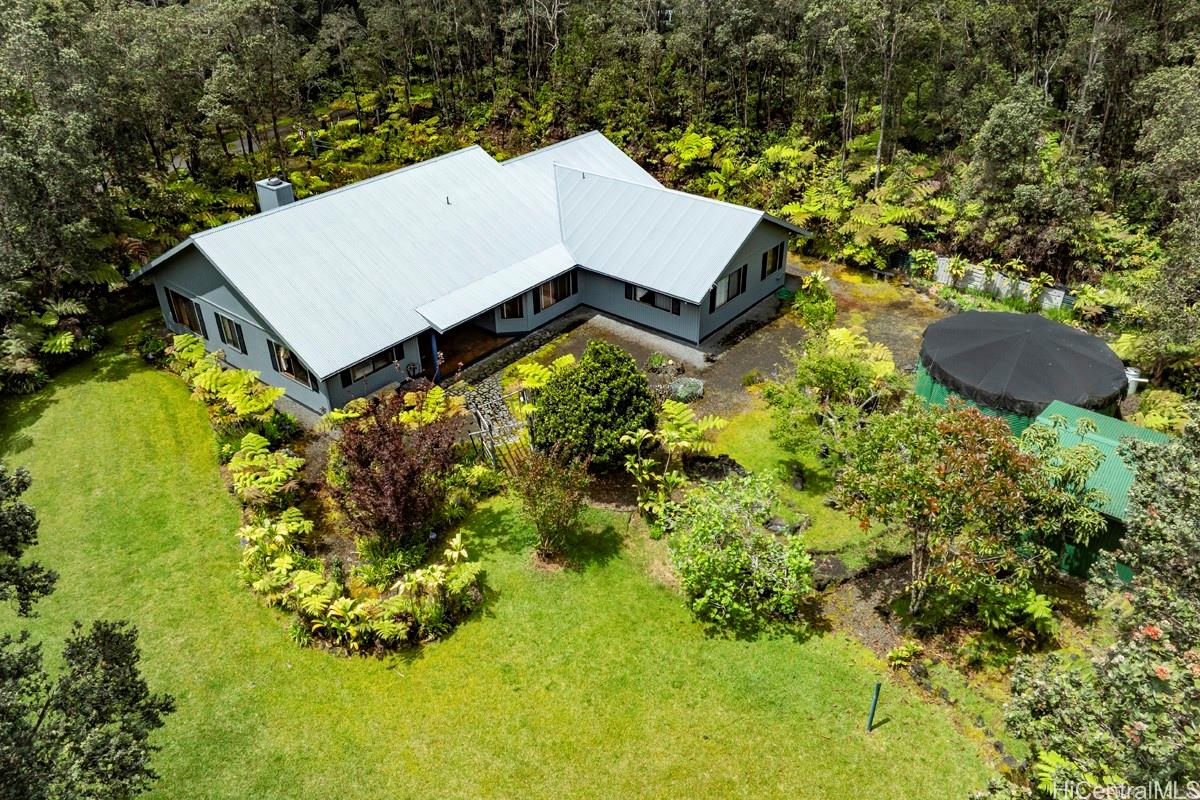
[[747, 439], [594, 682]]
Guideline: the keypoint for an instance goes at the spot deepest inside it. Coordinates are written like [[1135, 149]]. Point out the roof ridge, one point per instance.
[[340, 189], [661, 188], [559, 143]]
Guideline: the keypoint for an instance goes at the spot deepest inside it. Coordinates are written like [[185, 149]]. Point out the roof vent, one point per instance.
[[273, 192]]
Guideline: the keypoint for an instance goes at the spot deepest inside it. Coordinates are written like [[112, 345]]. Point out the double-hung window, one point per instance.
[[652, 298], [185, 312], [774, 259], [285, 363], [230, 333], [554, 290], [727, 288], [369, 366]]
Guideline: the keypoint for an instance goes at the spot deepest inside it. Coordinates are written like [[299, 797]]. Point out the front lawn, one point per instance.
[[747, 439], [593, 682]]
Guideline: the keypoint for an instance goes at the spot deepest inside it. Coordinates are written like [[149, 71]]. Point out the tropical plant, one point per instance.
[[1162, 410], [838, 379], [532, 376], [924, 263], [814, 303], [904, 655], [679, 433], [234, 397], [261, 477], [1037, 285], [735, 573], [424, 603], [957, 267]]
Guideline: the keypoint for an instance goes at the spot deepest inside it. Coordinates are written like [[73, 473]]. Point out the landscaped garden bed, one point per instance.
[[601, 658]]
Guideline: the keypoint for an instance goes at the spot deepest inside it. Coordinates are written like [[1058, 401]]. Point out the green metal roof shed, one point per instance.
[[1113, 476]]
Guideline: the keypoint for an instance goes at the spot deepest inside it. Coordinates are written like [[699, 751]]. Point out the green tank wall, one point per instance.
[[936, 394]]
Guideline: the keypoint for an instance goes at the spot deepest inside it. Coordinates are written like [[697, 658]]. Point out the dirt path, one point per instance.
[[891, 313], [855, 607]]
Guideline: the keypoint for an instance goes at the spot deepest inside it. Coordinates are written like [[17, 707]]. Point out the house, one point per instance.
[[331, 295], [1112, 476]]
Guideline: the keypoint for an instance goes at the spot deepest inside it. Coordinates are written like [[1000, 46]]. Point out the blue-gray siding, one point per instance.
[[761, 240], [191, 274]]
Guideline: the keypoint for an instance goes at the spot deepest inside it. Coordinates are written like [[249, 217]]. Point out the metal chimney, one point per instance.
[[273, 193]]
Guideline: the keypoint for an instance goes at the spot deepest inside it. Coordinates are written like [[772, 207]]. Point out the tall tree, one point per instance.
[[84, 732]]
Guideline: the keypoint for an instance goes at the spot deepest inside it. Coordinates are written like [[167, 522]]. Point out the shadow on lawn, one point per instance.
[[810, 622], [22, 411], [493, 530]]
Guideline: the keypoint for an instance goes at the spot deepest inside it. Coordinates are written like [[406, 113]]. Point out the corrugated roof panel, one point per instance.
[[339, 275], [590, 151], [669, 241], [1113, 476], [473, 299]]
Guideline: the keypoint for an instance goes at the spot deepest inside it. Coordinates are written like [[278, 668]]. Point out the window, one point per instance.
[[727, 288], [774, 259], [552, 291], [285, 363], [653, 298], [230, 333], [185, 312], [369, 366], [513, 309]]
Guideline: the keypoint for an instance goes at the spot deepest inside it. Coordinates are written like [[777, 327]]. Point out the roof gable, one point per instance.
[[670, 241]]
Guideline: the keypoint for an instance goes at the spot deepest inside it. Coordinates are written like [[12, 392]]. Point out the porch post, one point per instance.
[[437, 361]]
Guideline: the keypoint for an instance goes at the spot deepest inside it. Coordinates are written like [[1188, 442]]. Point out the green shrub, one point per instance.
[[466, 485], [905, 654], [148, 342], [279, 428], [1162, 410], [752, 378], [814, 304], [588, 407], [839, 378], [734, 572], [656, 360], [552, 487], [424, 604], [380, 566], [924, 263]]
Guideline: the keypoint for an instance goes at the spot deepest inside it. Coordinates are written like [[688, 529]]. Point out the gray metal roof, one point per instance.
[[347, 273], [669, 241]]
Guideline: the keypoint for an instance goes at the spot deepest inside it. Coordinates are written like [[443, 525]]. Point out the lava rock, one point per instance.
[[686, 390], [777, 525], [828, 570], [713, 468]]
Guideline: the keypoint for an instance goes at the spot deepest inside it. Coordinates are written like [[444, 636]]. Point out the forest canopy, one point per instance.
[[1057, 135]]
